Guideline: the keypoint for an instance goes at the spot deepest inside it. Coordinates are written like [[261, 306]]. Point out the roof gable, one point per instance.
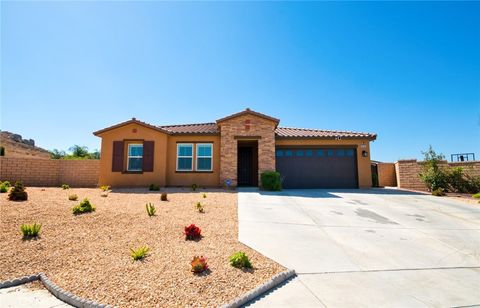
[[249, 112], [132, 121]]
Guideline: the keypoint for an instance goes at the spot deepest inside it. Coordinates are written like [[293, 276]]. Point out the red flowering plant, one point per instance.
[[192, 232], [199, 264]]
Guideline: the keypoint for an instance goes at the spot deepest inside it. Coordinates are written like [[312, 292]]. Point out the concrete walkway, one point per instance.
[[365, 248], [24, 297]]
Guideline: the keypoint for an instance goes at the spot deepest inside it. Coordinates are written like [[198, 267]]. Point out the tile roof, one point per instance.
[[251, 112], [198, 128], [292, 132]]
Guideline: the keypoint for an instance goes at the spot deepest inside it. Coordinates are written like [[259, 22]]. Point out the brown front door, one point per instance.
[[247, 164]]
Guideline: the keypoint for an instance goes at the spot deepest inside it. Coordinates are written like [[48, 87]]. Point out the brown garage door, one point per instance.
[[317, 167]]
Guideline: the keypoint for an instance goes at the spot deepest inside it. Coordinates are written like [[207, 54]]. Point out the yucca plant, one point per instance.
[[199, 207], [30, 231], [150, 209], [139, 253]]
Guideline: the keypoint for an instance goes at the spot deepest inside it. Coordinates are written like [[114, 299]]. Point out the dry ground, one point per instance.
[[89, 256]]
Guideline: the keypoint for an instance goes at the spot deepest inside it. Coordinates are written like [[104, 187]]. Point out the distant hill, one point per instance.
[[15, 146]]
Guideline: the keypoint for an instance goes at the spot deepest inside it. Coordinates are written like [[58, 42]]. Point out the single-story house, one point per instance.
[[235, 149]]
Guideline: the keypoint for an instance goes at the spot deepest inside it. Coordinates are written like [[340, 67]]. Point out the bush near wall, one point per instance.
[[271, 180]]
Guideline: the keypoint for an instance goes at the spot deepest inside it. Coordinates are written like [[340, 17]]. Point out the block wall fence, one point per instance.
[[50, 172]]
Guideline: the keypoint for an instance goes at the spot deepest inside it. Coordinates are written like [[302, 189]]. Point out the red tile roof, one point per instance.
[[199, 128], [291, 132]]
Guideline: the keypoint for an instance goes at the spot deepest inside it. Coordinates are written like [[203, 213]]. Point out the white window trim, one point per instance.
[[128, 156], [198, 156], [183, 156]]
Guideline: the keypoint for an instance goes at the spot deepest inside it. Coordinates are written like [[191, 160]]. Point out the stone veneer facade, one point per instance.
[[246, 127]]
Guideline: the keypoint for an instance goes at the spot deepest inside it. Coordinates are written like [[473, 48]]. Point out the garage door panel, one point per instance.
[[317, 167]]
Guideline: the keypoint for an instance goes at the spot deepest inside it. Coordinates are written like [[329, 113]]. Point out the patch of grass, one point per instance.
[[84, 207], [65, 186], [476, 196], [163, 197], [73, 197], [154, 187], [30, 231], [240, 260], [150, 209], [140, 253]]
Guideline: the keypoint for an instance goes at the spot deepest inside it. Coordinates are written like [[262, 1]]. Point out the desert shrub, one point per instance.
[[6, 183], [3, 188], [192, 232], [163, 197], [432, 175], [194, 187], [154, 187], [271, 180], [199, 207], [30, 230], [199, 264], [240, 260], [139, 253], [438, 192], [476, 196], [204, 196], [84, 207], [18, 193], [150, 209], [73, 197], [104, 188], [65, 186]]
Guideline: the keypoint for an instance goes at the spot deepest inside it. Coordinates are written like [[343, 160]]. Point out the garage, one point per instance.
[[317, 167]]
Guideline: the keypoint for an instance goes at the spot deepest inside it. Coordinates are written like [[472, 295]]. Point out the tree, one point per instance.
[[56, 154], [79, 151], [432, 175]]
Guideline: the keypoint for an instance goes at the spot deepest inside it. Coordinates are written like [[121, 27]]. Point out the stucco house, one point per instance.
[[234, 149]]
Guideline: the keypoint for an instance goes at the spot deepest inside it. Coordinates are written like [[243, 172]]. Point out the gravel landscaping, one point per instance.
[[89, 254]]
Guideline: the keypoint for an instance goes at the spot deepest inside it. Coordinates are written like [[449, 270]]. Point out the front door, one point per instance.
[[247, 170]]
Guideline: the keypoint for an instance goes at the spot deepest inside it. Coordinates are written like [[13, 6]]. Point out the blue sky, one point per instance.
[[408, 71]]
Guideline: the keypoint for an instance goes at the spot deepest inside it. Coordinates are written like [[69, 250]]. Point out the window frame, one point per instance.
[[197, 156], [131, 156], [183, 156]]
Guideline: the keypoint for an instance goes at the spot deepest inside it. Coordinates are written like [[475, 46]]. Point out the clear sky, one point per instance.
[[408, 71]]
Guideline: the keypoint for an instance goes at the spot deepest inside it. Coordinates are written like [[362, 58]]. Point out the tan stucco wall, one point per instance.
[[363, 163], [235, 127], [188, 178], [118, 179]]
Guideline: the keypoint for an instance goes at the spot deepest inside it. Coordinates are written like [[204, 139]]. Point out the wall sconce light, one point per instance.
[[364, 153]]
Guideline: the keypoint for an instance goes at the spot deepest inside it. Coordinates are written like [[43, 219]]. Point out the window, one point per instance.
[[330, 152], [320, 153], [309, 153], [204, 156], [279, 153], [288, 153], [299, 153], [340, 153], [135, 157], [350, 152], [184, 157]]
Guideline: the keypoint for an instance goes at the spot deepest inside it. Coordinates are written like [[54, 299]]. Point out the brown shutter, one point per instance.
[[117, 159], [148, 150]]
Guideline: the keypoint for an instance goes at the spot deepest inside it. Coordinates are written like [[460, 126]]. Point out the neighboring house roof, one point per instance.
[[251, 112], [292, 132], [198, 128]]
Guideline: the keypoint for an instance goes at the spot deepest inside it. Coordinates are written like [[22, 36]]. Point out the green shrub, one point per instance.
[[65, 186], [6, 183], [154, 187], [150, 209], [84, 207], [438, 192], [18, 193], [163, 197], [73, 197], [432, 175], [32, 230], [271, 180], [240, 260], [3, 188], [139, 253], [476, 196], [104, 187], [194, 187], [199, 207]]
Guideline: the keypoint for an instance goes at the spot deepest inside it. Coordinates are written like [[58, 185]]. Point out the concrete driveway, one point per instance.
[[365, 248]]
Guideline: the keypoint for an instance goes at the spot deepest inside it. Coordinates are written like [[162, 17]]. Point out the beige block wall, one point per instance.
[[201, 178], [50, 172], [133, 132], [386, 174], [363, 163], [259, 127]]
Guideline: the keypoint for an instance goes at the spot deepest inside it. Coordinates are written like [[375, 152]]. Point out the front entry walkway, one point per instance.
[[365, 248]]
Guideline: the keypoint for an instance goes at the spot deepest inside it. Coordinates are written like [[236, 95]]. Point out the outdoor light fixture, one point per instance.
[[364, 153]]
